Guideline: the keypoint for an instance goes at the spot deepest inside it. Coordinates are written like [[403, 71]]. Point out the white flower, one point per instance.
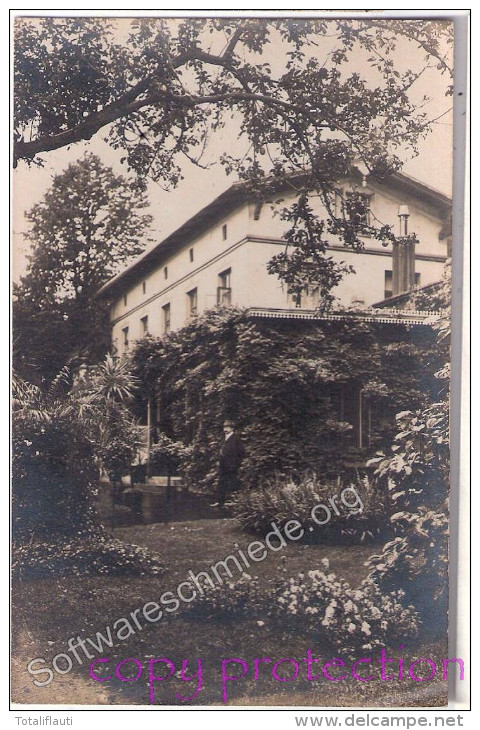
[[351, 628], [326, 563], [330, 612], [366, 628]]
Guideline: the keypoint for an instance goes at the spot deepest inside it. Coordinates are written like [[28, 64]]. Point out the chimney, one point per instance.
[[403, 256]]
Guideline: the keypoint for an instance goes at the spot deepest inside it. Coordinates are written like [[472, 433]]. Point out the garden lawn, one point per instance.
[[47, 612]]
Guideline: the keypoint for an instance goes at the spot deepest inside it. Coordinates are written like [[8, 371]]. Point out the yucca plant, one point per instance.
[[62, 437]]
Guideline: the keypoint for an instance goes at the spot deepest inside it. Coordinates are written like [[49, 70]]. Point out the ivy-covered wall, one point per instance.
[[293, 388]]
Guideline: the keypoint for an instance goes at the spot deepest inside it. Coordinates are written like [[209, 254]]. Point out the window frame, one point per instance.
[[125, 339], [225, 287], [166, 321], [363, 194], [144, 323], [192, 303]]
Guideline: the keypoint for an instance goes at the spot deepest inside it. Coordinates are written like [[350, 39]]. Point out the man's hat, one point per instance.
[[228, 422]]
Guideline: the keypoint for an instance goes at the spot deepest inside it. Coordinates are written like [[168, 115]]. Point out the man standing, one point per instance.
[[231, 455]]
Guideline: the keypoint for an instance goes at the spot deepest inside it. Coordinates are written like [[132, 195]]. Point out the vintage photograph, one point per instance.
[[232, 246]]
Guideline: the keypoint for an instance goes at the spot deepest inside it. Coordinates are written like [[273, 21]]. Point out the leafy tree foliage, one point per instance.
[[62, 437], [416, 471], [89, 223], [282, 383], [160, 89]]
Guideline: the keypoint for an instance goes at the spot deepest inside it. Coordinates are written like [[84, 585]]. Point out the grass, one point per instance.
[[49, 611]]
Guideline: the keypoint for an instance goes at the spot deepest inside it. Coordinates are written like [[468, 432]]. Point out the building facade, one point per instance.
[[220, 256]]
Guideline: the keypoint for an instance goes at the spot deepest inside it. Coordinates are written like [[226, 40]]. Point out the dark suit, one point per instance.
[[231, 455]]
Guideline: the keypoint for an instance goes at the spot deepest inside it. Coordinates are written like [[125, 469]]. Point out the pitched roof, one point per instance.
[[236, 195]]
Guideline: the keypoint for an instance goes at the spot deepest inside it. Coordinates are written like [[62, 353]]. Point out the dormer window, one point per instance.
[[144, 287], [165, 272], [224, 232], [190, 253]]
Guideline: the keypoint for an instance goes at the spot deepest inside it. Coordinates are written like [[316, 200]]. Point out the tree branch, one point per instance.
[[114, 111]]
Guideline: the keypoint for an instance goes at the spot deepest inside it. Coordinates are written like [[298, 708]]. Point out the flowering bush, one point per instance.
[[239, 598], [80, 555], [348, 619], [283, 500], [319, 604]]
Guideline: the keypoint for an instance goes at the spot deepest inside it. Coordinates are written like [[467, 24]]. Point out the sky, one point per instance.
[[170, 209]]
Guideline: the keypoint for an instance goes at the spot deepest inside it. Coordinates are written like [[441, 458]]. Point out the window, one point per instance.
[[347, 401], [144, 287], [125, 338], [165, 272], [124, 300], [224, 232], [166, 318], [224, 289], [388, 285], [192, 303], [191, 254], [144, 323], [417, 278], [256, 211], [357, 208]]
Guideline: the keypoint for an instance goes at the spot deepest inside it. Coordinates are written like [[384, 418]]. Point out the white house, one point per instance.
[[219, 256]]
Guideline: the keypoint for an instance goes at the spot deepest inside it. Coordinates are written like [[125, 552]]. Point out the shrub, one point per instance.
[[318, 604], [283, 500], [417, 474], [167, 456], [416, 470], [82, 555], [351, 620], [61, 437], [232, 598], [54, 478]]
